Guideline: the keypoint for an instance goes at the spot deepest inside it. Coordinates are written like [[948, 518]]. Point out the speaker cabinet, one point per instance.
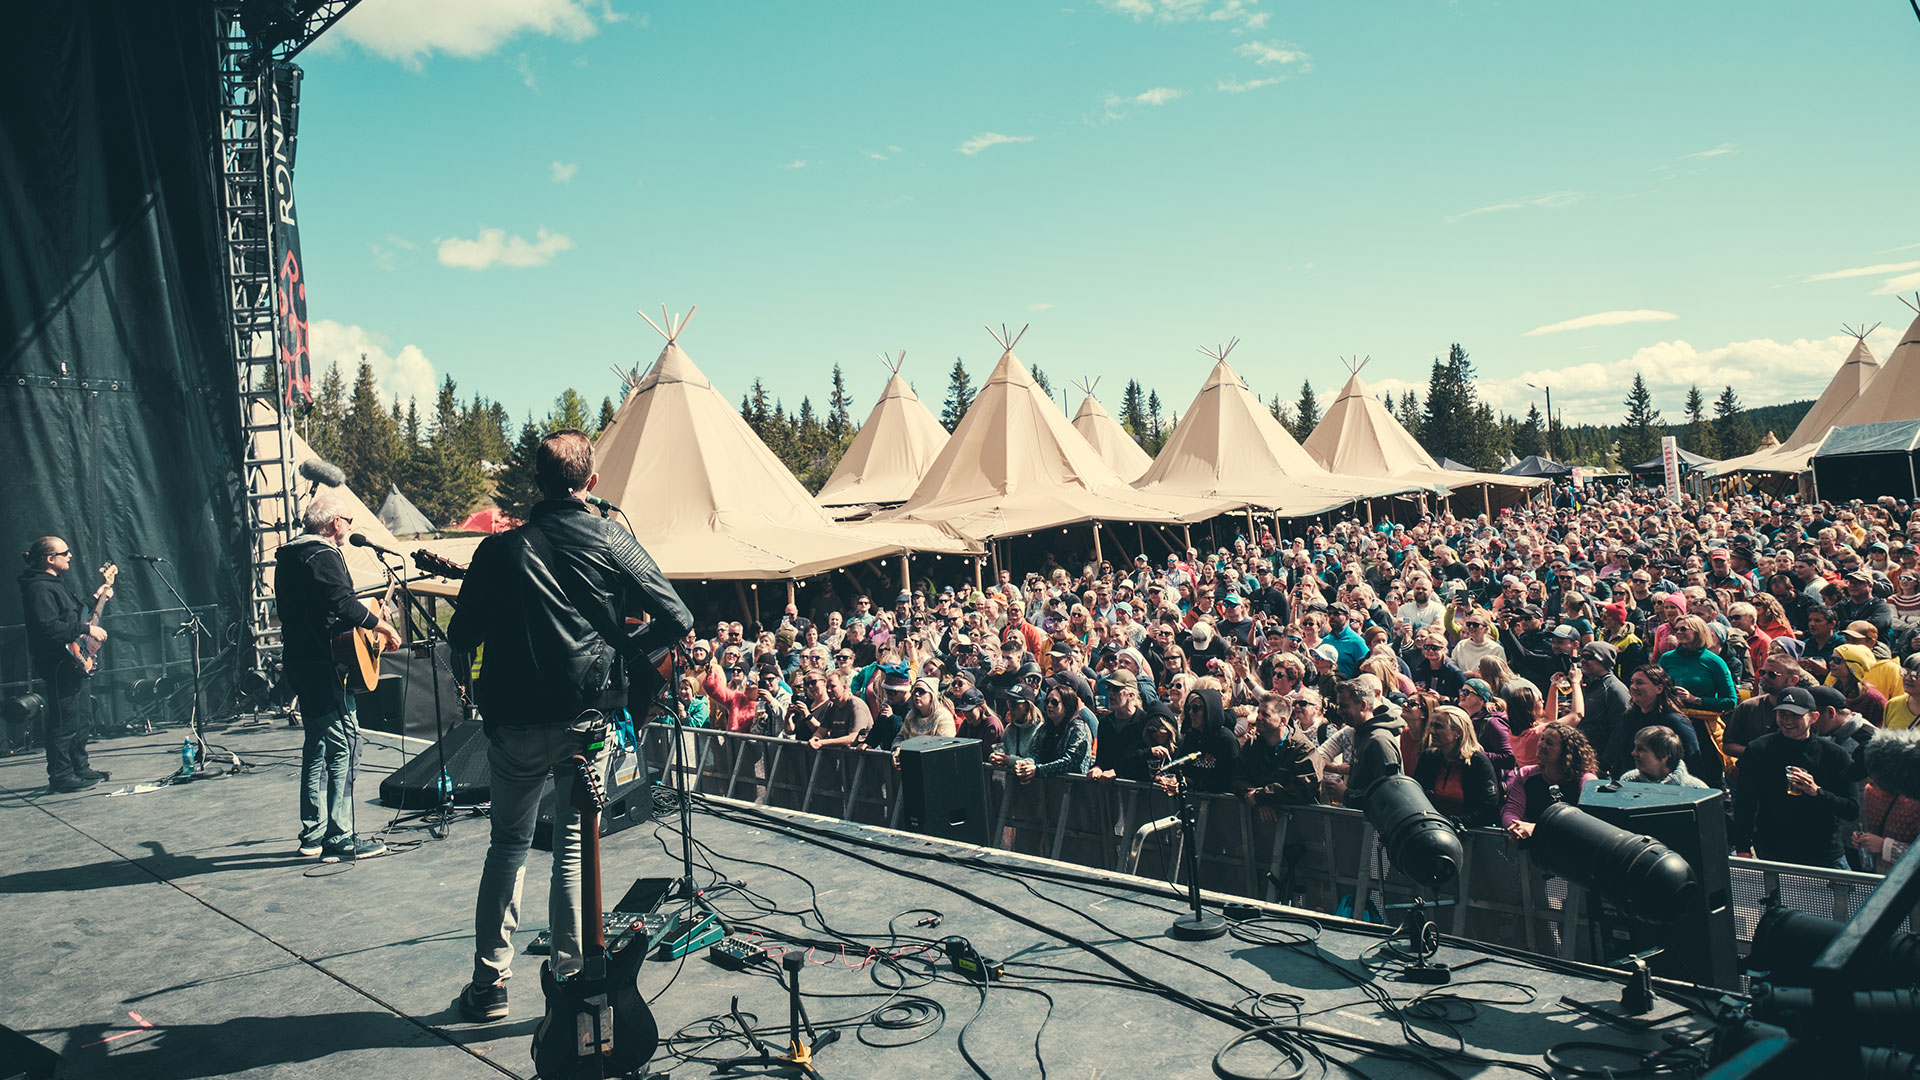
[[629, 799], [416, 785], [941, 788], [416, 695], [1700, 948]]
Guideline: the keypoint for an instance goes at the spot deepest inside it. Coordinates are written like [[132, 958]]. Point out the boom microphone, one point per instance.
[[603, 505], [1181, 762], [322, 472], [360, 540]]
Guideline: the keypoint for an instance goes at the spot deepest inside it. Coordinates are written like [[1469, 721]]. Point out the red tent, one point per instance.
[[489, 520]]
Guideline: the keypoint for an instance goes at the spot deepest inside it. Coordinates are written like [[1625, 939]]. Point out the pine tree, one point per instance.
[[1282, 413], [607, 413], [1641, 431], [516, 490], [1306, 412], [1699, 436], [570, 412], [1040, 379], [1409, 414], [327, 413], [1156, 435], [839, 409], [1732, 430], [1528, 440], [1133, 410], [370, 452], [959, 396]]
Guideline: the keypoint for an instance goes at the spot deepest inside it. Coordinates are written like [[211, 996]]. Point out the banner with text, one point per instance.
[[1670, 458], [289, 285]]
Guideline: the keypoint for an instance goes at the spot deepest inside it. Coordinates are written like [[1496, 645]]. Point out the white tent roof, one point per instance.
[[1844, 395], [1229, 447], [401, 517], [1895, 393], [706, 496], [1359, 437], [1105, 435], [1015, 465], [890, 453], [362, 566]]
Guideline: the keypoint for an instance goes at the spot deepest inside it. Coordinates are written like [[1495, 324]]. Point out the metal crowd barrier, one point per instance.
[[1322, 858]]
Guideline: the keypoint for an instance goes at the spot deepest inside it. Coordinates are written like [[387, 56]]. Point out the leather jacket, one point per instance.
[[553, 622]]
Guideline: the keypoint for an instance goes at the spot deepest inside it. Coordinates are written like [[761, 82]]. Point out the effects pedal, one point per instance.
[[736, 953], [705, 931], [617, 924]]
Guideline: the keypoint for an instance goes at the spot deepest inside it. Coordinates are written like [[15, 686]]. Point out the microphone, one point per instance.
[[1177, 763], [603, 505], [147, 558], [360, 540], [322, 472]]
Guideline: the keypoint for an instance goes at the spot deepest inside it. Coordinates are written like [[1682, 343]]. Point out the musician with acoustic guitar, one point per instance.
[[315, 597], [551, 602], [57, 624]]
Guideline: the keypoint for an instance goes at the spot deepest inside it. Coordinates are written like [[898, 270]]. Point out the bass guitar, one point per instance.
[[85, 649], [596, 1024]]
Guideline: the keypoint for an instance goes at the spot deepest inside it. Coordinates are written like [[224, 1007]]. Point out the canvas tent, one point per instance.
[[1359, 437], [362, 566], [401, 517], [706, 496], [1895, 393], [487, 519], [1104, 434], [1535, 465], [1015, 465], [1690, 462], [890, 453], [1228, 447], [1866, 461], [1842, 391]]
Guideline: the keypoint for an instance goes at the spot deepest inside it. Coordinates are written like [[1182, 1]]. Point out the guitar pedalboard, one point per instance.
[[737, 953]]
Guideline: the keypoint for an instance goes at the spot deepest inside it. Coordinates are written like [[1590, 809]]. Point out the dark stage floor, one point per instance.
[[175, 933]]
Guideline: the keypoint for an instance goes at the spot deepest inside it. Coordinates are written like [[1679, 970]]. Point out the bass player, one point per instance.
[[55, 619], [549, 601], [315, 597]]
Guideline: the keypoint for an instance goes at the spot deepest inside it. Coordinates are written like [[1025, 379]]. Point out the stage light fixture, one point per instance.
[[1786, 943], [1637, 874], [1420, 843]]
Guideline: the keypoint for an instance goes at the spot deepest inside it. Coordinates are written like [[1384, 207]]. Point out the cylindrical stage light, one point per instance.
[[1639, 875], [1420, 843], [1786, 943]]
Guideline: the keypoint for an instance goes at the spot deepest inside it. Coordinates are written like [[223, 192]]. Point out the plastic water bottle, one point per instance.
[[189, 757], [445, 787]]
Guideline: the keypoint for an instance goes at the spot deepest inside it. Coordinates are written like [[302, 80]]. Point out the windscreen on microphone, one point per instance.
[[322, 472], [360, 540], [1892, 758]]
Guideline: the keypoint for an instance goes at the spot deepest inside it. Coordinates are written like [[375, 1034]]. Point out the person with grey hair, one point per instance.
[[315, 596]]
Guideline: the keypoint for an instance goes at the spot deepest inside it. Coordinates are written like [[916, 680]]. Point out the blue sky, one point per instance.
[[1704, 191]]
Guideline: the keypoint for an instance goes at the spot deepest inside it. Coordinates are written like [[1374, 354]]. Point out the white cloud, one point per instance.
[[796, 163], [386, 255], [1603, 318], [989, 138], [1896, 285], [1552, 200], [1276, 52], [610, 16], [1231, 85], [1902, 247], [1864, 271], [1243, 12], [563, 170], [528, 76], [407, 373], [1159, 95], [494, 248], [1039, 307], [875, 155], [1723, 148], [410, 31]]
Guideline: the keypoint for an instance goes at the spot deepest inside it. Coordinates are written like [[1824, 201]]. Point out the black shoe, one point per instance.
[[483, 1004], [94, 774], [76, 783], [351, 850]]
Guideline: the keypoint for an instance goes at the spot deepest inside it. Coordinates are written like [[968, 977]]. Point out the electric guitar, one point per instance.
[[596, 1024], [644, 681], [85, 649]]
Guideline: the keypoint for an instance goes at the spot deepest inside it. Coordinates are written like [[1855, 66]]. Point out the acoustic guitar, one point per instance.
[[85, 649], [644, 681], [358, 649], [596, 1023]]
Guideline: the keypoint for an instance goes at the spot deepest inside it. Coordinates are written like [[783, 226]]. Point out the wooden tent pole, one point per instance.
[[1187, 531], [1486, 499], [1097, 557], [906, 572], [790, 597], [993, 546], [977, 586]]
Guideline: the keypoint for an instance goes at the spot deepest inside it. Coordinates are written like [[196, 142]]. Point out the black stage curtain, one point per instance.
[[119, 428]]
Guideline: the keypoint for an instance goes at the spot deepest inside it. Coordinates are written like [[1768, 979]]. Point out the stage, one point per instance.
[[175, 933]]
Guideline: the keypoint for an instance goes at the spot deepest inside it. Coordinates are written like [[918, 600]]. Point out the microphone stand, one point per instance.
[[193, 628], [443, 784], [682, 784], [1197, 924]]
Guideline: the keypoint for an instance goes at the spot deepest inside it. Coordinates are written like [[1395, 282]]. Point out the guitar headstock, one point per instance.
[[438, 565], [107, 574], [589, 795]]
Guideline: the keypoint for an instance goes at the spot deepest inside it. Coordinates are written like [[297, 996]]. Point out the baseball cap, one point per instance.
[[1326, 652], [1022, 692], [1123, 678], [1861, 575], [1339, 609], [1861, 630], [904, 597], [1827, 697], [1601, 651], [1565, 630], [1794, 699], [970, 699]]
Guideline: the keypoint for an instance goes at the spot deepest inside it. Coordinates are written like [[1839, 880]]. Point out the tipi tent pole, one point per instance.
[[1486, 499], [906, 572], [993, 547], [790, 598], [1187, 531], [1097, 557], [977, 586]]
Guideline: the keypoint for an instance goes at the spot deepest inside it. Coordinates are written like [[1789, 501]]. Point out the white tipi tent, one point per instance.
[[1359, 437], [706, 496], [1229, 447], [1105, 434], [892, 450], [1015, 465], [401, 517], [1896, 389], [1846, 388]]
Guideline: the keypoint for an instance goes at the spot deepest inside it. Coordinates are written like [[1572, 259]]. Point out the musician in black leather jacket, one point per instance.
[[55, 618], [549, 601]]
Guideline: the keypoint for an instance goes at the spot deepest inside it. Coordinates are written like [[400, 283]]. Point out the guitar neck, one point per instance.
[[593, 929]]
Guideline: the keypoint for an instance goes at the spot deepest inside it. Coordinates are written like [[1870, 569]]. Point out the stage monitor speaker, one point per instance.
[[403, 702], [629, 799], [416, 785], [1700, 948], [941, 788]]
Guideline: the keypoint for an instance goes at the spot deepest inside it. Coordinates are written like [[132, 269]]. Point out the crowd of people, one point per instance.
[[1751, 645]]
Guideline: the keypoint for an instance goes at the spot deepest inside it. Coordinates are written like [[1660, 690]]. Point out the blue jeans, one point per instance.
[[519, 760], [328, 759]]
